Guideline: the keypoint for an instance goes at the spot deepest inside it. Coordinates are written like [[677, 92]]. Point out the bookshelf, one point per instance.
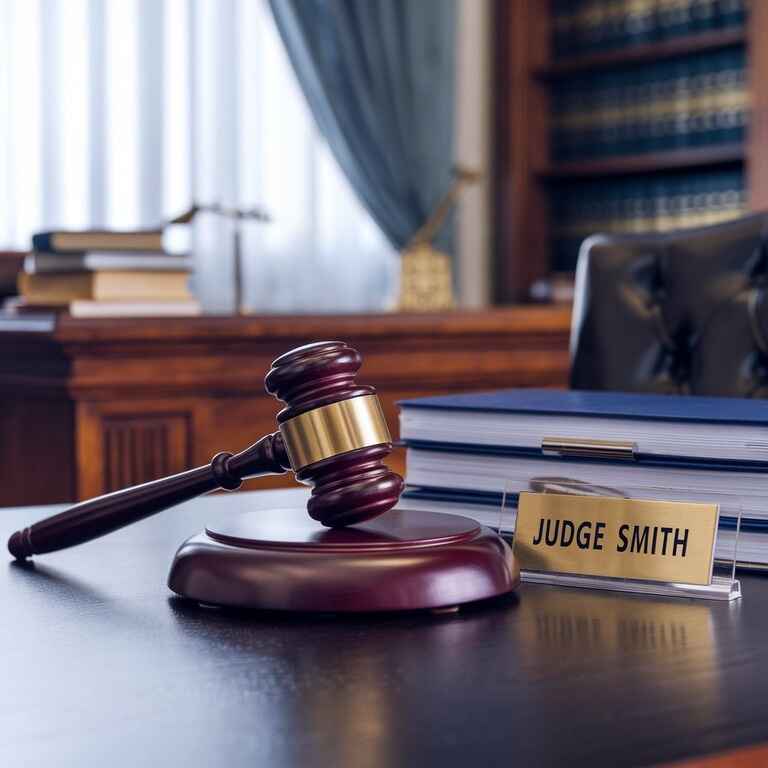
[[650, 162], [702, 41], [537, 186]]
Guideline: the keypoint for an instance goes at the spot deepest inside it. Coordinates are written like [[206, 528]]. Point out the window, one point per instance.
[[120, 113]]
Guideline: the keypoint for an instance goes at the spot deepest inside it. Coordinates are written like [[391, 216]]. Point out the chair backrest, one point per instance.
[[682, 312]]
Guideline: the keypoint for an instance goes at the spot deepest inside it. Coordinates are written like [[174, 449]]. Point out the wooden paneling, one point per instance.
[[109, 403], [757, 162], [747, 757], [522, 46], [139, 448], [10, 266], [697, 158], [641, 54], [36, 449]]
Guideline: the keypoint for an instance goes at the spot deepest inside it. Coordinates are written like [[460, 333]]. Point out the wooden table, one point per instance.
[[90, 406], [101, 665]]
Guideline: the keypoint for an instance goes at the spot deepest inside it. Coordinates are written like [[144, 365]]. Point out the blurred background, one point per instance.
[[190, 187], [120, 114]]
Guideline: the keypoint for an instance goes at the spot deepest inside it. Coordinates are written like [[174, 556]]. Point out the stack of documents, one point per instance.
[[470, 453]]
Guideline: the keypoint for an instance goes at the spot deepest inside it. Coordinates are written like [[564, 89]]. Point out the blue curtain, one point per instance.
[[379, 79]]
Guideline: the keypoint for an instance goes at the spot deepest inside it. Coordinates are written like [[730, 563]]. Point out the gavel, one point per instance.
[[332, 434]]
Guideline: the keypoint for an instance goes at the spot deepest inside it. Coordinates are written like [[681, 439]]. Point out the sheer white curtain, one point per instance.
[[119, 113]]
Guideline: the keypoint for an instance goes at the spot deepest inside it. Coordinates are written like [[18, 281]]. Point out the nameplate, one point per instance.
[[616, 537]]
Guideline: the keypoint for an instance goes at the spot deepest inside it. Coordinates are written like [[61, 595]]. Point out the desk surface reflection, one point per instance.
[[102, 666]]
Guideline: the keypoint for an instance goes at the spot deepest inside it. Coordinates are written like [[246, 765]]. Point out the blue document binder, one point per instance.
[[470, 449], [715, 431]]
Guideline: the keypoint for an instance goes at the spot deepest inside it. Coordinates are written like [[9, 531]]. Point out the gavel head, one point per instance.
[[334, 433]]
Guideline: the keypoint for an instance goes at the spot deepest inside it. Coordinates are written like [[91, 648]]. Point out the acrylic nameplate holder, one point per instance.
[[580, 571]]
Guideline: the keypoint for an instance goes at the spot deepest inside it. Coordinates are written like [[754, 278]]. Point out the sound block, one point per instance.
[[403, 560]]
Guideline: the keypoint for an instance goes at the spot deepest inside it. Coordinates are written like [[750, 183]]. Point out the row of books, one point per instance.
[[104, 274], [692, 101], [641, 204], [588, 26], [473, 454]]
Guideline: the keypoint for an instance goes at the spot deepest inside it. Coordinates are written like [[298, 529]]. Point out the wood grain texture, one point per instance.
[[399, 561], [37, 437], [641, 54], [11, 263], [749, 757], [522, 45], [102, 666], [65, 389], [757, 83], [650, 162], [137, 449]]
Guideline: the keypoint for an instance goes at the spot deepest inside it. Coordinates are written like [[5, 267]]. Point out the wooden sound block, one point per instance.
[[403, 560]]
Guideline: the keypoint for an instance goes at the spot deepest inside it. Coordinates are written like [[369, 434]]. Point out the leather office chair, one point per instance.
[[683, 312]]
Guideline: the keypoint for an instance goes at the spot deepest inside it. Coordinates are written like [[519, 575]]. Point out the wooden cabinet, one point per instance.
[[90, 406]]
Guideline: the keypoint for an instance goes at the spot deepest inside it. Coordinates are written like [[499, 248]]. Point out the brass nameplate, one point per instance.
[[616, 537]]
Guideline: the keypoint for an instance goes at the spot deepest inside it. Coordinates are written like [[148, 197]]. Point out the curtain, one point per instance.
[[379, 78], [119, 113]]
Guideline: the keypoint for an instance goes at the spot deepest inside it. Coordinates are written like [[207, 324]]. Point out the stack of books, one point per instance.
[[588, 26], [642, 204], [692, 101], [104, 274], [469, 454]]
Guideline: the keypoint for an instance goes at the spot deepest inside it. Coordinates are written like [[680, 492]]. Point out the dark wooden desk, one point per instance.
[[100, 404], [101, 666]]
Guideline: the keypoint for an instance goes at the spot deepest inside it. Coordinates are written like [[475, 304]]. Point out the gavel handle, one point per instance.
[[96, 517]]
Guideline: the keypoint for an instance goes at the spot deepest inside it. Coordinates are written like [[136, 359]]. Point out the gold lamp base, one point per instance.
[[426, 281]]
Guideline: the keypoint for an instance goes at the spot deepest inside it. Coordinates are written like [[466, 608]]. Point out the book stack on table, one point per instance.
[[104, 274], [469, 453]]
